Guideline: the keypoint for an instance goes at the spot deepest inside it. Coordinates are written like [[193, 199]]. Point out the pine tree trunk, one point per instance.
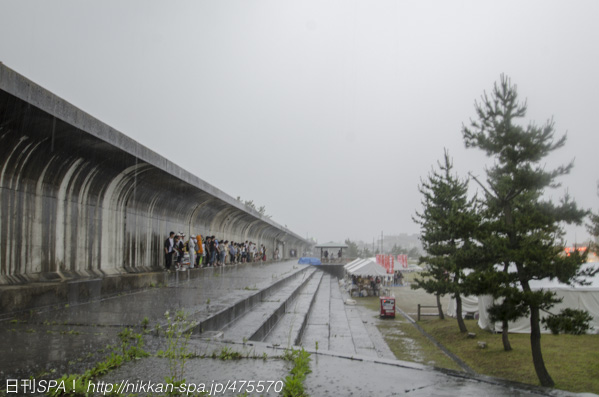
[[535, 344], [441, 316], [504, 336], [458, 305]]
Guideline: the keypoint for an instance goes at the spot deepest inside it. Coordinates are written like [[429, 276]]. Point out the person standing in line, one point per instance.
[[223, 252], [169, 244], [251, 252], [217, 247], [178, 249], [213, 251], [232, 252], [199, 251], [207, 248], [191, 249]]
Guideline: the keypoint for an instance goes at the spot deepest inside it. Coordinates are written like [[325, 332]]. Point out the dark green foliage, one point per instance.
[[449, 223], [593, 227], [569, 321], [523, 232]]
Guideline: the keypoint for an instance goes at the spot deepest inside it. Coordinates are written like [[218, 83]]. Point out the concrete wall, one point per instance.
[[80, 199]]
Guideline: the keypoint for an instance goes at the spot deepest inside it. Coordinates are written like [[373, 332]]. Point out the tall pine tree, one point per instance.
[[448, 223], [593, 228], [524, 229]]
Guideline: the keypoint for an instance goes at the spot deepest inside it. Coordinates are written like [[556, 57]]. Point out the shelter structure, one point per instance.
[[332, 249], [366, 267], [582, 297]]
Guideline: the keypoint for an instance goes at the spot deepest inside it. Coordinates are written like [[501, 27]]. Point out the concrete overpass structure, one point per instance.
[[79, 199]]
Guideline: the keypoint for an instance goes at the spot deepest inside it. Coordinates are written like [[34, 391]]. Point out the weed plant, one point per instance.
[[294, 382], [177, 336], [131, 348]]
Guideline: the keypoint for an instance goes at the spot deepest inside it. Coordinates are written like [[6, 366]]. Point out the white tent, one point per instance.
[[469, 305], [574, 297], [411, 268], [354, 263], [367, 268]]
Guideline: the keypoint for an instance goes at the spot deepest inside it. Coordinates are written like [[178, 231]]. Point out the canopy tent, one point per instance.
[[411, 268], [573, 297], [355, 264], [367, 268], [469, 305], [357, 260]]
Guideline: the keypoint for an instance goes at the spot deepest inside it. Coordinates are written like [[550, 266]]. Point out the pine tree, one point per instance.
[[448, 224], [593, 228], [524, 231]]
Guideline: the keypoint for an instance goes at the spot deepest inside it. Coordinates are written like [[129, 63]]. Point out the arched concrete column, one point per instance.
[[80, 199]]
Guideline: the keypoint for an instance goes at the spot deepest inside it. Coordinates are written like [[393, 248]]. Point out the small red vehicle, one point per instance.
[[387, 306]]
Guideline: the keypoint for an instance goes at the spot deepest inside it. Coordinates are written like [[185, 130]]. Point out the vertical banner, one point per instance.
[[404, 260], [390, 264]]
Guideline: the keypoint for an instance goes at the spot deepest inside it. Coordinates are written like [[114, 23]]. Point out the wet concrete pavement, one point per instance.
[[349, 356], [64, 339]]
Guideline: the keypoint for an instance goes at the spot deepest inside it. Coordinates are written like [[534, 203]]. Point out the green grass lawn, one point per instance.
[[572, 361]]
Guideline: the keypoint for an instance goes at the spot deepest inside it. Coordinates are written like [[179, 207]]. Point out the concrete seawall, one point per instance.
[[79, 199]]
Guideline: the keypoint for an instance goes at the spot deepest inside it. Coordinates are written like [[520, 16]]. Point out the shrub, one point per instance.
[[569, 321]]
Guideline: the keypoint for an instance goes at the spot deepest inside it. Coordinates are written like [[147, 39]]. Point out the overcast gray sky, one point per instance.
[[326, 112]]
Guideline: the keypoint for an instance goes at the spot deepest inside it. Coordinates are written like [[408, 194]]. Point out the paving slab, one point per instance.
[[31, 344], [68, 340], [261, 318], [288, 330], [332, 374]]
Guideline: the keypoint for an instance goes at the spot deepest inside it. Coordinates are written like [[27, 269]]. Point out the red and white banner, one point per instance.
[[403, 259]]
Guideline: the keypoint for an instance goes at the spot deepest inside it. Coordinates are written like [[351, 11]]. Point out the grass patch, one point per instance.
[[405, 341], [572, 360]]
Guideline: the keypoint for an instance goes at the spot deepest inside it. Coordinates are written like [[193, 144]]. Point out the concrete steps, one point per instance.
[[288, 331], [306, 308], [318, 325], [230, 308], [335, 326], [256, 323]]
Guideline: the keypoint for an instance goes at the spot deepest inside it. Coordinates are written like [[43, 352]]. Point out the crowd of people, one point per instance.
[[208, 251], [397, 278], [367, 286]]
